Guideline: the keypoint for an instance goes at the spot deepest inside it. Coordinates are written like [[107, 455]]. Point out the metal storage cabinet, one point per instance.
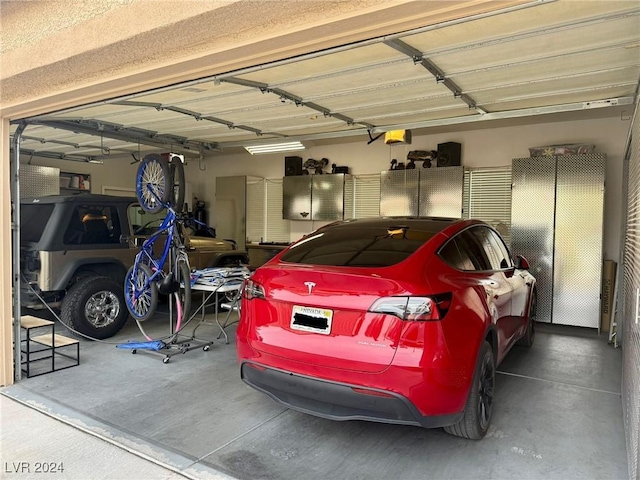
[[296, 197], [532, 222], [441, 192], [313, 197], [327, 197], [577, 272], [557, 221], [399, 193]]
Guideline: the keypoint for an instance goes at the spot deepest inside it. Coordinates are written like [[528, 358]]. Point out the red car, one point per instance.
[[394, 320]]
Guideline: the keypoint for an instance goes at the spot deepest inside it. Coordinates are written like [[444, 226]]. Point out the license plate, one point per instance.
[[311, 319]]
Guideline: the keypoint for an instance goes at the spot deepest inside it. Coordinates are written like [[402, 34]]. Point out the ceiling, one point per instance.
[[544, 57]]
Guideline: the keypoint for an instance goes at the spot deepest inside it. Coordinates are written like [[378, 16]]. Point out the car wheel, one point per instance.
[[529, 336], [94, 306], [477, 411]]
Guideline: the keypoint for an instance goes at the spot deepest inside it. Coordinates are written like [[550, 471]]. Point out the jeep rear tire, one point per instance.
[[94, 306]]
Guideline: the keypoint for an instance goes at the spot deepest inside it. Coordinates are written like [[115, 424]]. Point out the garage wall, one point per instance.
[[114, 172], [482, 147]]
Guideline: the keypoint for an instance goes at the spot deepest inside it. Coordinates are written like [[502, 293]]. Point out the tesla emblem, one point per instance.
[[310, 286]]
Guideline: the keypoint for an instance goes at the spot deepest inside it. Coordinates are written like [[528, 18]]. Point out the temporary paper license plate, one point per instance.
[[310, 319]]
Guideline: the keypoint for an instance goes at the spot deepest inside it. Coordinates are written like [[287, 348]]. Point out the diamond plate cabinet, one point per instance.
[[296, 197], [399, 193], [313, 197], [441, 192], [557, 217], [43, 350]]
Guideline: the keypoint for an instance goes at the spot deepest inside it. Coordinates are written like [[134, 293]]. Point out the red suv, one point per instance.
[[395, 320]]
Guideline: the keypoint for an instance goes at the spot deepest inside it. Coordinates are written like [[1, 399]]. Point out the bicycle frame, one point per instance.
[[168, 225]]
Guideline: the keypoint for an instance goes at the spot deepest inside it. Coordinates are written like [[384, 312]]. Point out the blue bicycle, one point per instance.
[[160, 184]]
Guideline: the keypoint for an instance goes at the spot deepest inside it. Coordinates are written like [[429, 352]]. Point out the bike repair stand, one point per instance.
[[173, 344], [184, 345]]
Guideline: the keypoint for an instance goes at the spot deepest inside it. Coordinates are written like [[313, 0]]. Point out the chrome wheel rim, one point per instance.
[[102, 308]]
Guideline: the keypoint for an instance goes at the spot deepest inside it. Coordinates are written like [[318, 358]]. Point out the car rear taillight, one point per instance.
[[253, 290], [414, 308]]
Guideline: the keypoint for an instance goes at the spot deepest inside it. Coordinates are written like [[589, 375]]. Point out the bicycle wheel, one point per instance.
[[142, 306], [185, 295], [177, 174], [153, 183]]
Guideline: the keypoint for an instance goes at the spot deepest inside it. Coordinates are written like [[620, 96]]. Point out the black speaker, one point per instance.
[[449, 154], [292, 166]]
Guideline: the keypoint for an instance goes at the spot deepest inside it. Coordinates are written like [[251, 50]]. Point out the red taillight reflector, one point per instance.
[[373, 393], [257, 367]]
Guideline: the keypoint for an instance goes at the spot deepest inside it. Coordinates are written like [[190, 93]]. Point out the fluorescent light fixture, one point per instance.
[[274, 147]]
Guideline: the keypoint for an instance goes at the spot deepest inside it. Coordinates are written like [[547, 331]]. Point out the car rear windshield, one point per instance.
[[364, 246], [33, 219]]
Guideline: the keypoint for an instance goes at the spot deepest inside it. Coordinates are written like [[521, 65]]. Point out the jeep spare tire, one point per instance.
[[94, 306]]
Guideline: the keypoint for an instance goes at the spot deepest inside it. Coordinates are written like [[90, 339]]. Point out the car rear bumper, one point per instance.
[[338, 401]]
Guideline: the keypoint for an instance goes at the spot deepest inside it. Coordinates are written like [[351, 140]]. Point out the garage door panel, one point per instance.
[[322, 65], [282, 112], [411, 117], [561, 41], [417, 107], [106, 112], [191, 94], [306, 120], [419, 90], [512, 23], [626, 60], [219, 105], [501, 100], [404, 71]]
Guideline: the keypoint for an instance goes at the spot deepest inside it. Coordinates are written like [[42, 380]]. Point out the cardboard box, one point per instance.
[[608, 287]]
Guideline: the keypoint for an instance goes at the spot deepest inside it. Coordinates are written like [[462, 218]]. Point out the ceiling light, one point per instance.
[[274, 147]]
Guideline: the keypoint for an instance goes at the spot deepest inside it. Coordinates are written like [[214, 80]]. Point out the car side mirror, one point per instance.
[[522, 263]]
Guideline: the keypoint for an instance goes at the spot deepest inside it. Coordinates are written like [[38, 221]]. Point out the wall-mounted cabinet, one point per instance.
[[433, 192], [313, 197], [399, 193], [74, 182]]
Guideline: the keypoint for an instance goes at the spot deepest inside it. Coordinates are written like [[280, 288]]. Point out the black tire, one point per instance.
[[185, 293], [153, 173], [145, 310], [477, 411], [178, 191], [95, 307], [529, 336]]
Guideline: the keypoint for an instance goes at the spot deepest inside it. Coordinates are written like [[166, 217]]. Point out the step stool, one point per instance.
[[41, 344]]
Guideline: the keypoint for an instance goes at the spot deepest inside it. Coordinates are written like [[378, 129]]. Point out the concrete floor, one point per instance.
[[558, 414]]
